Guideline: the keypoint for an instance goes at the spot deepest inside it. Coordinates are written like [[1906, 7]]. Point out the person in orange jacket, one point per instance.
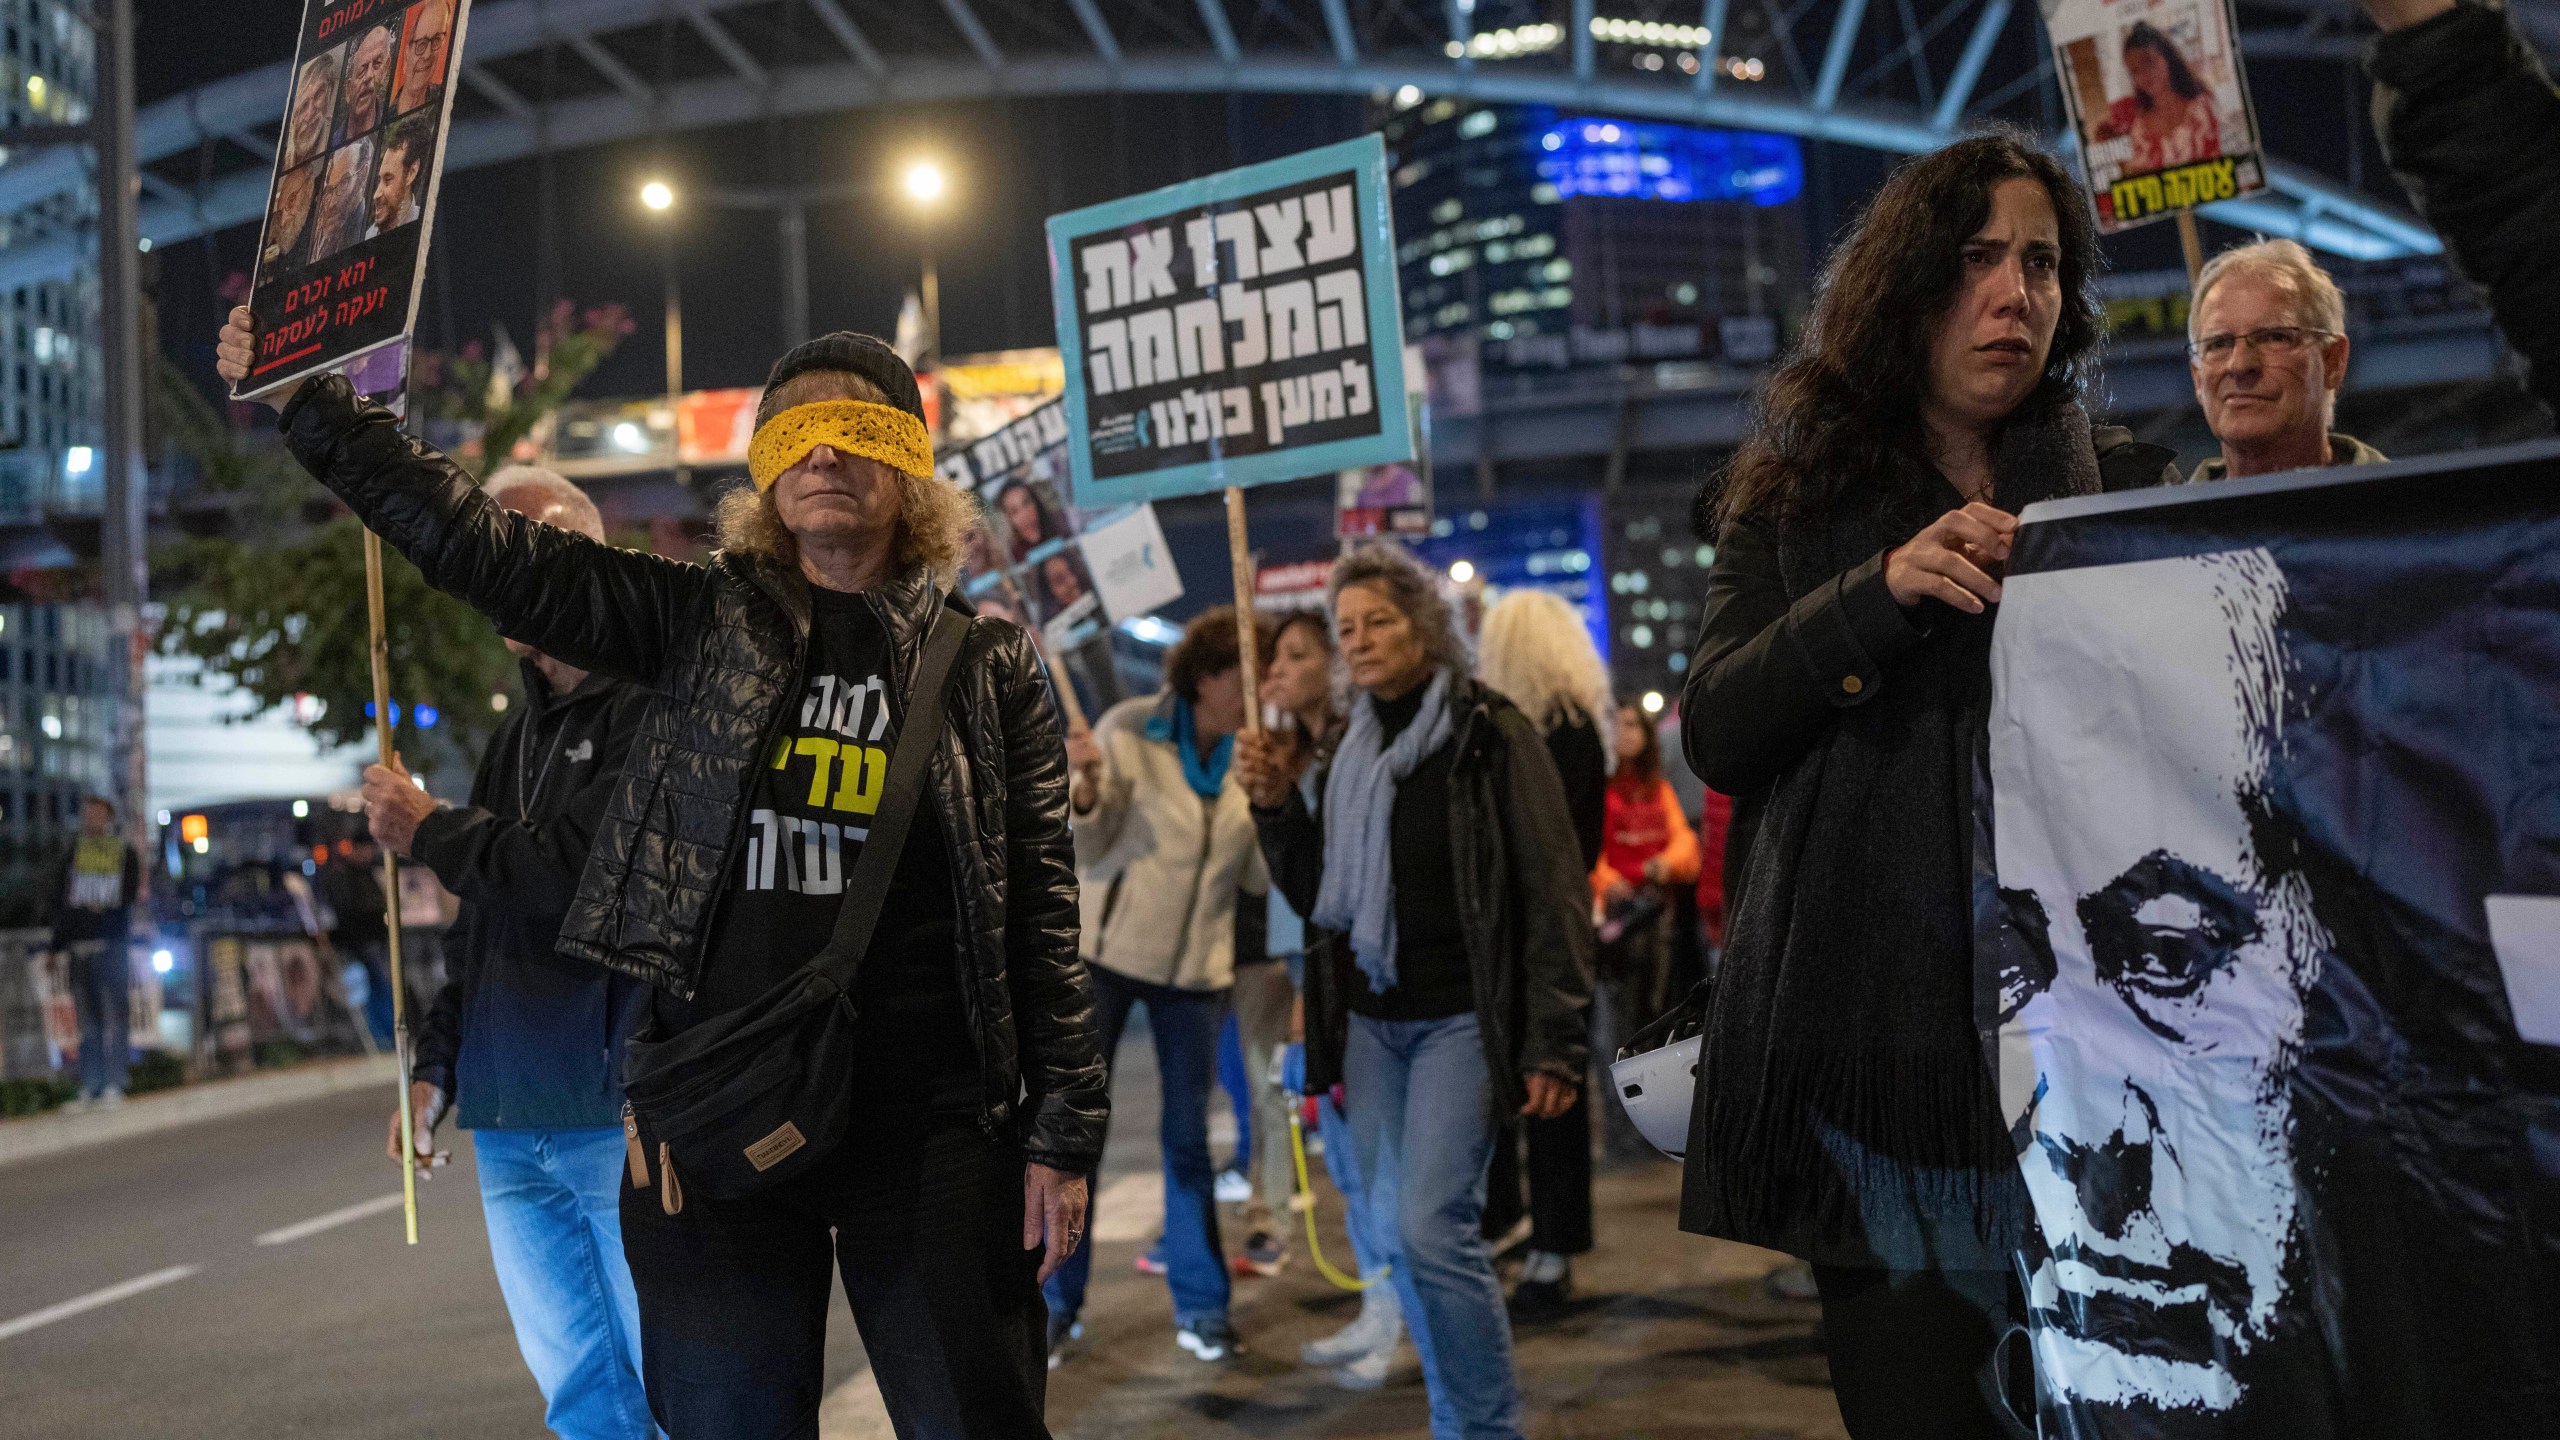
[[1647, 848]]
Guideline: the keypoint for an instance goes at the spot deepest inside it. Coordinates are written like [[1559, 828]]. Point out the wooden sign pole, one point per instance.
[[381, 648], [2190, 241], [1248, 638]]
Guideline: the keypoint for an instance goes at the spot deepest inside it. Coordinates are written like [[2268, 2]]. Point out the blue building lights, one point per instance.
[[1595, 155]]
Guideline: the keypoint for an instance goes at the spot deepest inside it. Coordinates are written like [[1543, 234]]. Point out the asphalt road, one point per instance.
[[247, 1279]]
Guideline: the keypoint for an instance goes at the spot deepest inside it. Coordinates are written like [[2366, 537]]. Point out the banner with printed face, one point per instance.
[[2267, 931], [342, 254], [1234, 330], [2159, 103]]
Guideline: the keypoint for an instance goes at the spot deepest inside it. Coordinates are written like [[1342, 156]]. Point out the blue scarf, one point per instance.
[[1182, 731], [1358, 893]]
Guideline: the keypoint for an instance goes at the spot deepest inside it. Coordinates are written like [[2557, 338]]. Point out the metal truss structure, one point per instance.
[[545, 75]]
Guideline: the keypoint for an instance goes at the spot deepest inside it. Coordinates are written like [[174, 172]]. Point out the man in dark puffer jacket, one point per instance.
[[781, 670], [2471, 125]]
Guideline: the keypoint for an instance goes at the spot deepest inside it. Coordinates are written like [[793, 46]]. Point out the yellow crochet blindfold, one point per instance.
[[855, 427]]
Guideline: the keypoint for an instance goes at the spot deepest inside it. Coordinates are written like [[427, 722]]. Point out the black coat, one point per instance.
[[1524, 902], [1844, 1113], [722, 645], [2471, 126], [523, 1037]]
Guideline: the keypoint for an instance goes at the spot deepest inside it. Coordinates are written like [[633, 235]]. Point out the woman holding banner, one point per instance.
[[1844, 1112], [1446, 857], [971, 1101]]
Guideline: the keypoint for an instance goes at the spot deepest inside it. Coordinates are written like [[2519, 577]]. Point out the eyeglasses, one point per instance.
[[2284, 340]]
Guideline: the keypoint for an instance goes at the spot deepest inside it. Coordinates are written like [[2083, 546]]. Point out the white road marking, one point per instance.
[[304, 1229], [1130, 1208], [94, 1299]]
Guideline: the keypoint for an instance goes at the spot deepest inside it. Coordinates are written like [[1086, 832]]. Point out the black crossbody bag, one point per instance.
[[748, 1099]]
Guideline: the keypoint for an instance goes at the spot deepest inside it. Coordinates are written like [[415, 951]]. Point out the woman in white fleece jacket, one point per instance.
[[1165, 849]]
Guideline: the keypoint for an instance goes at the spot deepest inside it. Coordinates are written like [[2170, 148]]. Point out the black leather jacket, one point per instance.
[[1524, 903], [722, 644]]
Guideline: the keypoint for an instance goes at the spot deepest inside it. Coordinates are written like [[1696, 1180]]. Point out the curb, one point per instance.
[[38, 1136]]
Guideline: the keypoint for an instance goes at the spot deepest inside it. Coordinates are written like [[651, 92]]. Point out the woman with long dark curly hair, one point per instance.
[[1844, 1113]]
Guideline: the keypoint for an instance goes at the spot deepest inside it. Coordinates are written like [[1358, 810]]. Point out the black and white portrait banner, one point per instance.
[[2268, 938]]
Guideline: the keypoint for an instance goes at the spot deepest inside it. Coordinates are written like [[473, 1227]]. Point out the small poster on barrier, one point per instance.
[[1132, 567], [2159, 104], [342, 253]]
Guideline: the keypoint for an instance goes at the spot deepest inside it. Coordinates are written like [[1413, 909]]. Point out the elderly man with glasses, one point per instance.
[[2267, 349]]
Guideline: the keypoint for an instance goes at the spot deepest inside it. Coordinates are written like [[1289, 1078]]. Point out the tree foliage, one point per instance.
[[276, 604]]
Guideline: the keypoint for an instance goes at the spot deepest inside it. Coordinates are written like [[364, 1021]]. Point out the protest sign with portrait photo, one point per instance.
[[343, 250], [2159, 104], [2264, 923]]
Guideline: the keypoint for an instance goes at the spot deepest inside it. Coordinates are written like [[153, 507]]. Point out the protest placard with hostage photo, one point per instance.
[[341, 258], [2159, 103]]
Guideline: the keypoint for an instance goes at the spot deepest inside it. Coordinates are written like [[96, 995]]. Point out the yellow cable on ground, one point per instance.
[[1315, 1247]]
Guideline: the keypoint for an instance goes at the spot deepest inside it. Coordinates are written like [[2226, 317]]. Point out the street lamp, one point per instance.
[[925, 183], [660, 198]]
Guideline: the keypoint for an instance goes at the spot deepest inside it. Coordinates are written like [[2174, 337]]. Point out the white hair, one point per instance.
[[1535, 650], [2317, 301], [573, 508]]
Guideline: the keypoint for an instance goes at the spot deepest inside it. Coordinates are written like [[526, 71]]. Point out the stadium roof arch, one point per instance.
[[1895, 76]]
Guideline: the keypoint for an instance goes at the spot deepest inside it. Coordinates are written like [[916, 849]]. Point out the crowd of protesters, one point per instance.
[[1432, 888]]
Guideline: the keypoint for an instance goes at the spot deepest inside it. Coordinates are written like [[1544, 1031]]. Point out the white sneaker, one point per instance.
[[114, 1098], [76, 1105], [1233, 1188], [1380, 1325], [1368, 1372]]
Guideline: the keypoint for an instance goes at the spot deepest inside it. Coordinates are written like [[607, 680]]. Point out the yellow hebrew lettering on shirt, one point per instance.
[[825, 751], [866, 771]]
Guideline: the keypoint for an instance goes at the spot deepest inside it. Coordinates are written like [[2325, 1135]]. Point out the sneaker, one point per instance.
[[1263, 1255], [1151, 1261], [1233, 1187], [1380, 1325], [1209, 1339], [1064, 1330], [1791, 1281], [79, 1105], [111, 1099], [1540, 1302], [1369, 1371]]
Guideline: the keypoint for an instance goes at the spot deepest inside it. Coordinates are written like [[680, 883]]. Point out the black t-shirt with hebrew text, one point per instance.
[[810, 810]]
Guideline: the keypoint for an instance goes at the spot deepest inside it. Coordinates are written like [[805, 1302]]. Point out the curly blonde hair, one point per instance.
[[934, 516]]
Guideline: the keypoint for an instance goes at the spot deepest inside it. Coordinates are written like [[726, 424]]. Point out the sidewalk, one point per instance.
[[55, 1133]]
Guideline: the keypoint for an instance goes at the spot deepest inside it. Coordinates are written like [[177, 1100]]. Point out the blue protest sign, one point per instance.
[[1234, 330]]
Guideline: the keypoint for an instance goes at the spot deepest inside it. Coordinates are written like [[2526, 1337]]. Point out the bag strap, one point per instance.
[[867, 888]]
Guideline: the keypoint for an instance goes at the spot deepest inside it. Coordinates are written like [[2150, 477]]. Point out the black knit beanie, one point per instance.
[[848, 353]]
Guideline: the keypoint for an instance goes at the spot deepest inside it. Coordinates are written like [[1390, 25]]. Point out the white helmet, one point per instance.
[[1658, 1086]]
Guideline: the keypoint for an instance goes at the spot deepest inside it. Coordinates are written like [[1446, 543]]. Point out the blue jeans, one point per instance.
[[1343, 1163], [553, 1203], [1185, 1023], [102, 995], [1422, 1127]]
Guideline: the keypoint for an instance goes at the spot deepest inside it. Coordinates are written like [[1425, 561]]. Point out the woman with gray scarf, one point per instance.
[[1450, 954], [1844, 1113]]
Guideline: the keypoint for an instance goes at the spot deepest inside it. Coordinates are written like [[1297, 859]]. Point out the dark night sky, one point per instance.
[[1017, 161]]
